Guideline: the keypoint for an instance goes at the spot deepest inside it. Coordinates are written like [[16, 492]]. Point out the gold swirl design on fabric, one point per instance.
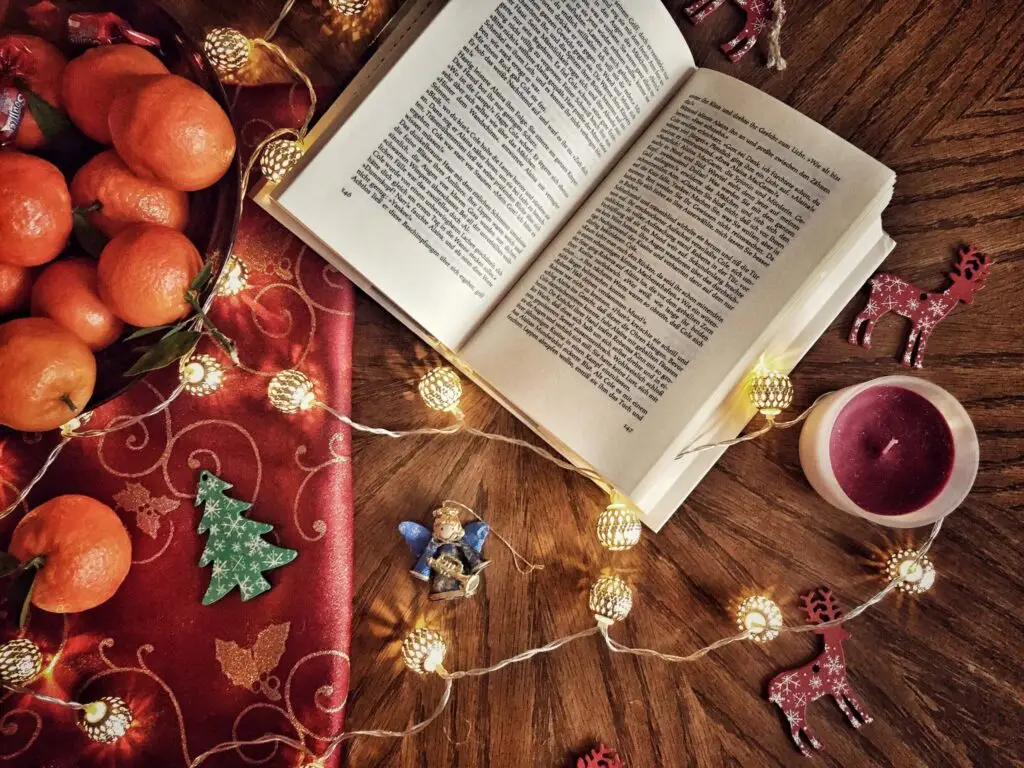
[[10, 728], [141, 669], [322, 692], [275, 747], [311, 470], [132, 439]]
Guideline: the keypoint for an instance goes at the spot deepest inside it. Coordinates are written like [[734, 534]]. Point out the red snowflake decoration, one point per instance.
[[602, 757]]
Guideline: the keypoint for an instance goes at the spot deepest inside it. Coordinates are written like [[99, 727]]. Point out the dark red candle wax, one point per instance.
[[891, 450]]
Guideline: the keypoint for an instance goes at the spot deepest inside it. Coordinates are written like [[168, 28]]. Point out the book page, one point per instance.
[[450, 177], [651, 304]]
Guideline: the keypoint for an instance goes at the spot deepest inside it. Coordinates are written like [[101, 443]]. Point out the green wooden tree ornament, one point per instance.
[[236, 546]]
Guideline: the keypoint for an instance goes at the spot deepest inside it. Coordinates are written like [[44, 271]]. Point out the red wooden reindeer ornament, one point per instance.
[[825, 675], [890, 293], [758, 18]]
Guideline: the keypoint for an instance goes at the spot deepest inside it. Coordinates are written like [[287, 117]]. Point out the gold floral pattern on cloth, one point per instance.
[[149, 510], [251, 667], [205, 675]]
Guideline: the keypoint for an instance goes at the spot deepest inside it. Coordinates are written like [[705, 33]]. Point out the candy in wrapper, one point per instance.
[[12, 109], [104, 29]]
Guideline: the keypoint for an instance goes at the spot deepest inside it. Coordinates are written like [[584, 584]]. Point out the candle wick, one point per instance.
[[892, 443]]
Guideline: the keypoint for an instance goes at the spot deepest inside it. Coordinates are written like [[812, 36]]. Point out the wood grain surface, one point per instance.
[[933, 88]]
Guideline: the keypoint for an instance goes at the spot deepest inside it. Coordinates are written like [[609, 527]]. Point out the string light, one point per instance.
[[918, 577], [201, 375], [279, 157], [349, 7], [611, 599], [227, 49], [235, 279], [106, 720], [424, 650], [291, 391], [618, 527], [760, 617], [20, 661], [771, 391], [441, 389]]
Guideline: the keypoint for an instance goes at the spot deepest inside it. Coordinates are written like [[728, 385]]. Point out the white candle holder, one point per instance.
[[816, 460]]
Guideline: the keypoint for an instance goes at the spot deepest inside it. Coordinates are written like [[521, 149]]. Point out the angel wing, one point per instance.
[[416, 536], [476, 534]]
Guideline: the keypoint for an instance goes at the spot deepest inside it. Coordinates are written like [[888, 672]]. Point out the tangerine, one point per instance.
[[15, 288], [29, 61], [47, 374], [124, 198], [145, 272], [67, 293], [35, 210], [169, 129], [91, 82], [85, 550]]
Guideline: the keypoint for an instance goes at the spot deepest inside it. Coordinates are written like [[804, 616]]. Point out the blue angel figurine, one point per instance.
[[449, 557]]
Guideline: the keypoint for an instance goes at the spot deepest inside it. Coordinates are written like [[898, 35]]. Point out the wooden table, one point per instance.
[[937, 94]]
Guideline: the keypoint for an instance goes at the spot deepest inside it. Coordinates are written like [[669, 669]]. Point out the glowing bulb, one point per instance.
[[771, 392], [20, 661], [424, 650], [760, 617], [441, 389], [201, 375], [227, 49], [235, 278], [106, 720], [611, 599], [79, 421], [279, 157], [618, 527], [920, 575], [291, 391], [349, 7]]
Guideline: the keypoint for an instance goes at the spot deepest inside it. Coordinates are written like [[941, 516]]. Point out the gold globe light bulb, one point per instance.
[[291, 391], [279, 157], [201, 375], [760, 617], [424, 650], [20, 661], [349, 7], [228, 50], [771, 391], [611, 599], [106, 720], [441, 389], [618, 527], [918, 577], [235, 278]]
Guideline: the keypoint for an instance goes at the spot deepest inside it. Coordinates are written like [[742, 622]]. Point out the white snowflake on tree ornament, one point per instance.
[[834, 665], [246, 570]]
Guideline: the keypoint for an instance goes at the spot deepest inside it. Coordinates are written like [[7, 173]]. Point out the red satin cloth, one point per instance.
[[196, 676]]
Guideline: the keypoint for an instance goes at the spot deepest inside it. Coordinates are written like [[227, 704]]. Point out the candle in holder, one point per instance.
[[899, 451]]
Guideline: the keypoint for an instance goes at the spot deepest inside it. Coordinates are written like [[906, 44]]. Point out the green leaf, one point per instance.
[[166, 351], [199, 281], [214, 332], [140, 332], [52, 122], [91, 239], [20, 591]]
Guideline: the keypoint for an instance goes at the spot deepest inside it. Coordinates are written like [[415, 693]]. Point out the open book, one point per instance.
[[604, 236]]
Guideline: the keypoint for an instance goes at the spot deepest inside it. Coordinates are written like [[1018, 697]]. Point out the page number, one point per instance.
[[627, 427], [346, 192]]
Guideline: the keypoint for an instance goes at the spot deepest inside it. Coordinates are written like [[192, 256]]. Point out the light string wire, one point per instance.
[[775, 60], [272, 29], [522, 565], [769, 425], [460, 426], [45, 697], [601, 628]]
